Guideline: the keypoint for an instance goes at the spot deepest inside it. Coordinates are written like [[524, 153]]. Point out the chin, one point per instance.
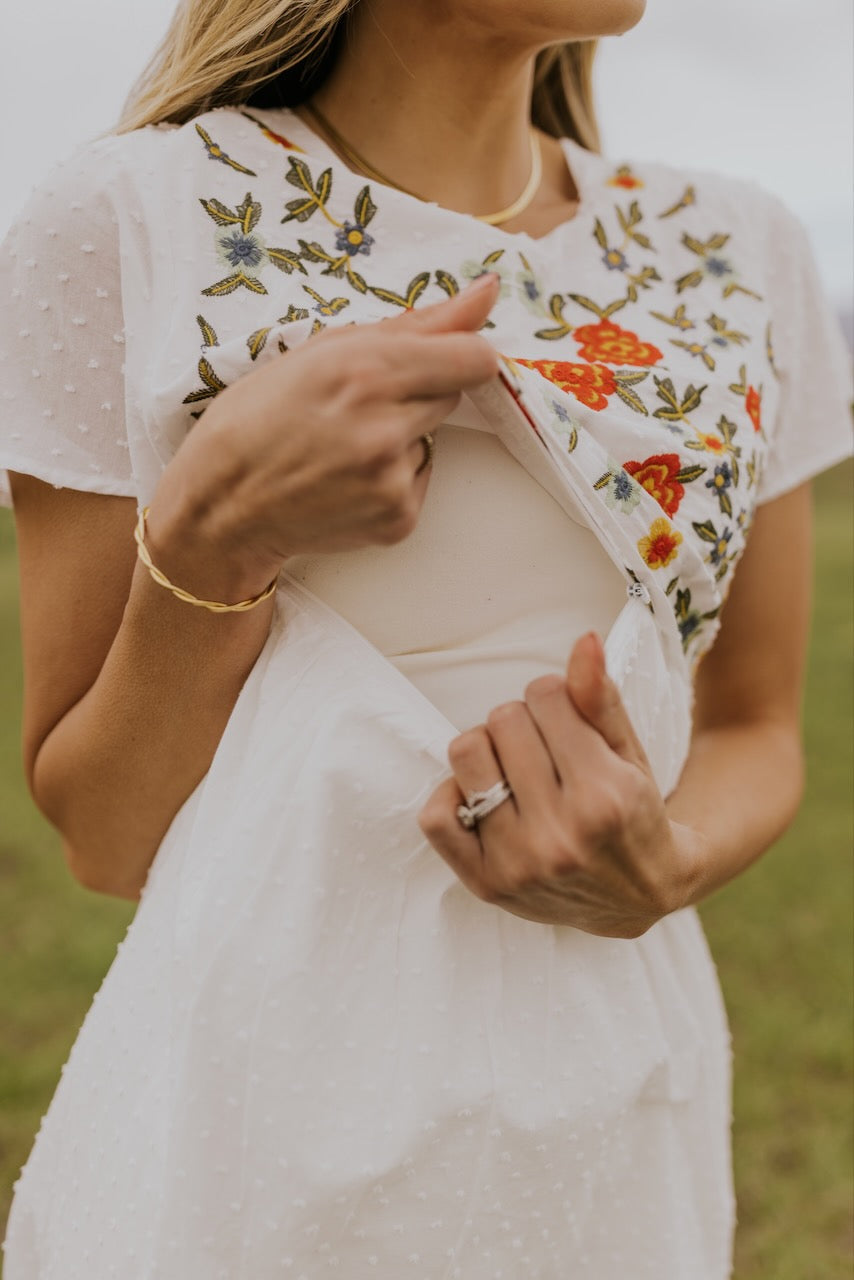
[[559, 20]]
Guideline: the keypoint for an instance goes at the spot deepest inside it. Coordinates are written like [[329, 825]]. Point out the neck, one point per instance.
[[444, 113]]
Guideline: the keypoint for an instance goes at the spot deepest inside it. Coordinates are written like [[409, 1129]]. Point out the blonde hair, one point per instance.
[[220, 53]]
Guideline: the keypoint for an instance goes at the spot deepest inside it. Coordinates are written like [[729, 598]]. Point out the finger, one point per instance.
[[461, 849], [573, 744], [467, 309], [476, 767], [523, 756], [597, 699], [424, 366]]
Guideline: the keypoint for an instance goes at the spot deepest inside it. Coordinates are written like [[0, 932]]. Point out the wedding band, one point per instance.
[[429, 445], [479, 803]]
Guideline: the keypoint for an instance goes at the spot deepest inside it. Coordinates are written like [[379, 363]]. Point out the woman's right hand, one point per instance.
[[317, 451]]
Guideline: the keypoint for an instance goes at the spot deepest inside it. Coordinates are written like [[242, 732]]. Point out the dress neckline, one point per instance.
[[580, 163]]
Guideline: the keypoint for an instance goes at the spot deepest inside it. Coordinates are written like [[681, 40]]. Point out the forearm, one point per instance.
[[739, 791], [115, 770]]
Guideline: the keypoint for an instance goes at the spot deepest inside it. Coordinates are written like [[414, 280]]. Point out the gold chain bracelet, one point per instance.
[[215, 606]]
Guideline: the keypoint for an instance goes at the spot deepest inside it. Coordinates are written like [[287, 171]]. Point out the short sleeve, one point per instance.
[[62, 335], [812, 430]]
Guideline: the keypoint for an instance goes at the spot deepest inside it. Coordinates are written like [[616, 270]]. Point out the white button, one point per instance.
[[637, 591]]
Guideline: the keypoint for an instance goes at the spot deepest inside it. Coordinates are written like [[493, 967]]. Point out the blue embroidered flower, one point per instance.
[[560, 411], [720, 547], [353, 239], [620, 489], [245, 252], [718, 266], [722, 478], [615, 260]]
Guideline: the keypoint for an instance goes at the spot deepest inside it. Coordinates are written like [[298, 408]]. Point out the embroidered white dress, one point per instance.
[[315, 1052]]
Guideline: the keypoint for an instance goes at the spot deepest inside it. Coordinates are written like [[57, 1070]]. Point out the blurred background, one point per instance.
[[761, 89]]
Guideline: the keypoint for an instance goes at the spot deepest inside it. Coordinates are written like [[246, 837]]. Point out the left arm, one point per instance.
[[587, 839]]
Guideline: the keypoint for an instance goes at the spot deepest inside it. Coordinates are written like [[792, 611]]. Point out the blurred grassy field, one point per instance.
[[781, 935]]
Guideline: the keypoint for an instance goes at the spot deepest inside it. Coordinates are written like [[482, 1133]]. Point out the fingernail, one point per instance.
[[483, 281]]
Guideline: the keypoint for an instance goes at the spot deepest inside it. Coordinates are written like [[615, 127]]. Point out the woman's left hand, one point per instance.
[[585, 839]]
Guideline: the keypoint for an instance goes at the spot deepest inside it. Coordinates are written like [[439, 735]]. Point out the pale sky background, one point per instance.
[[757, 88]]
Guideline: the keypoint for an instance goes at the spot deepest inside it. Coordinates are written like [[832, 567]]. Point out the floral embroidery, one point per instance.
[[612, 345], [661, 544], [665, 478], [215, 152], [601, 364], [753, 407], [626, 179], [589, 383]]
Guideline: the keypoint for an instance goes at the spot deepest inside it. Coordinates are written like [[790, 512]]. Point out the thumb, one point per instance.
[[466, 310], [597, 699]]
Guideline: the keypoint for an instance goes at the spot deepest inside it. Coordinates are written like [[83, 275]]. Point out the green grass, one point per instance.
[[780, 934]]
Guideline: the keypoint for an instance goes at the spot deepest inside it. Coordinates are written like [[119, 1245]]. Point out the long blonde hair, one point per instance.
[[220, 53]]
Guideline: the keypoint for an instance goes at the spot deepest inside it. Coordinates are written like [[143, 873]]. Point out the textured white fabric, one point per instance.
[[316, 1053]]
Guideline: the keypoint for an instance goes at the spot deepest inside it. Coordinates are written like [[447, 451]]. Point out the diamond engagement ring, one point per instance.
[[479, 803]]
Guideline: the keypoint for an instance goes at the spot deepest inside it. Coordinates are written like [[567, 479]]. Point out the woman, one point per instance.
[[371, 1017]]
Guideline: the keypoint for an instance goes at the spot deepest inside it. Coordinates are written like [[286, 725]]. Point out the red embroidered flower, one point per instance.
[[626, 179], [608, 342], [753, 405], [589, 383], [661, 544], [658, 476]]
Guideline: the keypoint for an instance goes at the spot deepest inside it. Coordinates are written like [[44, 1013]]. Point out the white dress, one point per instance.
[[316, 1053]]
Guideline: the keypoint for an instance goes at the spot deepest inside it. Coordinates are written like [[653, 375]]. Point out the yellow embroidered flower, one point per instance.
[[661, 544]]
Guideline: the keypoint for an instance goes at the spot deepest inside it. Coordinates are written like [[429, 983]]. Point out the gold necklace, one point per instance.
[[503, 215]]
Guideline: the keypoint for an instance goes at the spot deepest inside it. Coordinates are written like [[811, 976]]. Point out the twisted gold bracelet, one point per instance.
[[215, 606]]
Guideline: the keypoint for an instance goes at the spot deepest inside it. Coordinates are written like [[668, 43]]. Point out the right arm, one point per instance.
[[127, 689]]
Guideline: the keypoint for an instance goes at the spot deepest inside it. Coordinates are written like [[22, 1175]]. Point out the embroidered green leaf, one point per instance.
[[631, 377], [719, 327], [688, 197], [238, 281], [613, 308], [286, 260], [696, 349], [257, 341], [364, 207], [679, 319], [769, 350], [414, 290], [216, 152], [724, 500], [556, 305], [705, 530], [447, 283], [603, 481], [692, 398], [599, 233], [293, 313], [631, 399], [689, 281], [213, 384], [209, 338], [671, 584], [587, 303], [732, 288], [315, 196], [491, 258], [222, 216], [740, 387], [315, 252], [329, 307], [300, 210], [642, 240], [686, 474], [249, 212]]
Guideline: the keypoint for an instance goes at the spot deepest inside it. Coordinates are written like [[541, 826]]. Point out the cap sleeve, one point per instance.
[[812, 429], [62, 334]]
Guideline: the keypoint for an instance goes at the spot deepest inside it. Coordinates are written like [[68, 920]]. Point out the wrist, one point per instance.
[[693, 861], [194, 536]]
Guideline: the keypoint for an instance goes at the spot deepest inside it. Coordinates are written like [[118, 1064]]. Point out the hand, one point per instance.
[[317, 450], [585, 839]]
